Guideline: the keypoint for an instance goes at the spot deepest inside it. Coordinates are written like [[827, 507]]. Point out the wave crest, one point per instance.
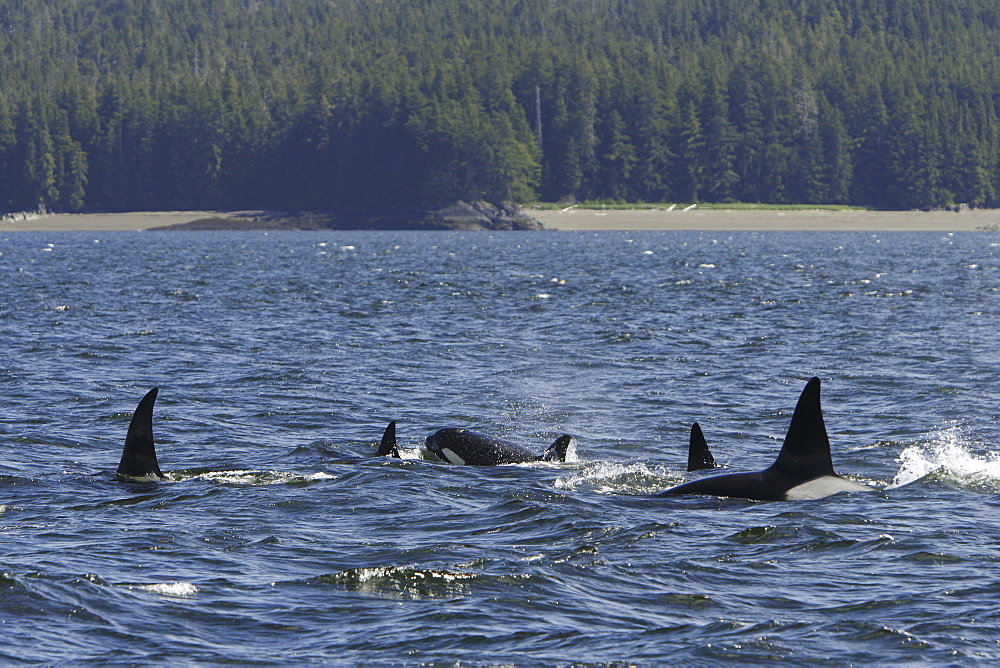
[[949, 457]]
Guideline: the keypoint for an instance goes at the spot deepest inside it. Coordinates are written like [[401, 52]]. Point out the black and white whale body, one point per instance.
[[803, 470], [139, 454], [461, 446], [699, 456]]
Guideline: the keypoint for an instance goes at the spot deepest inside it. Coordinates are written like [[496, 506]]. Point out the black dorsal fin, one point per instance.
[[557, 451], [388, 445], [139, 453], [806, 452], [699, 456]]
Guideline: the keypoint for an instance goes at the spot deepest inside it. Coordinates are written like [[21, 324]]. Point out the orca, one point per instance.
[[699, 456], [461, 446], [803, 469], [387, 447], [139, 454]]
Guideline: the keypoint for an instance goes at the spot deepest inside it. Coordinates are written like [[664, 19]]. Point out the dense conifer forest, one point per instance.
[[291, 104]]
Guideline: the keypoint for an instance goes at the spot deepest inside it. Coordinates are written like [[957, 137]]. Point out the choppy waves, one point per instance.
[[278, 538], [951, 457]]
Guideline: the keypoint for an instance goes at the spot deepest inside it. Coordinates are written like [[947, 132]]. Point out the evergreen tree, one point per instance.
[[326, 103]]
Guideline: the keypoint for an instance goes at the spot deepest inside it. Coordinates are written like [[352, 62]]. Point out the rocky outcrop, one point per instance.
[[459, 216], [23, 216]]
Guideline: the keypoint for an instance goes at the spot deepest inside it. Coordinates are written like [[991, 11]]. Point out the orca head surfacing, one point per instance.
[[464, 447], [803, 469], [139, 454], [470, 448]]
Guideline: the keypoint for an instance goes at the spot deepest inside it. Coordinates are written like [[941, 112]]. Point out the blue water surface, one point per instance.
[[281, 357]]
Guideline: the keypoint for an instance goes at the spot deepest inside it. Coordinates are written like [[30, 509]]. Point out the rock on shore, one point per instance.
[[459, 216]]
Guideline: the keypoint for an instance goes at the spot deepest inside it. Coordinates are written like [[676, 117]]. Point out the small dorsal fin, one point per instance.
[[388, 445], [139, 454], [557, 451], [699, 456], [805, 453]]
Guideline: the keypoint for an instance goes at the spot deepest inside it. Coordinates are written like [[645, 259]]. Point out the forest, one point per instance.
[[316, 104]]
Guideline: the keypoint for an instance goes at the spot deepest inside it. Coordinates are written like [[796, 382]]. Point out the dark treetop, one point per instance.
[[326, 104]]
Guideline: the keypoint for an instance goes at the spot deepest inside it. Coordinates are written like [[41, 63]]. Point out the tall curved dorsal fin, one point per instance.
[[557, 451], [388, 445], [805, 453], [139, 454], [699, 456]]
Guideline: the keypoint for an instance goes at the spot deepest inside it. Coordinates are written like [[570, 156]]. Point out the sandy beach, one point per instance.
[[577, 219], [763, 220], [103, 222]]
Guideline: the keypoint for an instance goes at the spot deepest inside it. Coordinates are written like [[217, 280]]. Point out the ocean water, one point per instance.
[[280, 358]]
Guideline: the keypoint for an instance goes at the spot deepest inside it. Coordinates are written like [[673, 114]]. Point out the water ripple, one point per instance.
[[280, 358]]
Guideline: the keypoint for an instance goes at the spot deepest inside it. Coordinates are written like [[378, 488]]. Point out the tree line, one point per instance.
[[299, 104]]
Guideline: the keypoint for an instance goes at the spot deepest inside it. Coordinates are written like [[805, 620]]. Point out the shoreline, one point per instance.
[[770, 220], [576, 219], [104, 222]]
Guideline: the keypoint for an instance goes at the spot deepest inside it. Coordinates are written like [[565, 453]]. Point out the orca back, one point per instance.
[[699, 456], [463, 447], [139, 454], [805, 454], [387, 447], [803, 469]]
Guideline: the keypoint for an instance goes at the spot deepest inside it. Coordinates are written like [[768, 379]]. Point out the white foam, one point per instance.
[[603, 477], [151, 477], [181, 589], [415, 453], [249, 477], [319, 475], [571, 456], [948, 453]]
